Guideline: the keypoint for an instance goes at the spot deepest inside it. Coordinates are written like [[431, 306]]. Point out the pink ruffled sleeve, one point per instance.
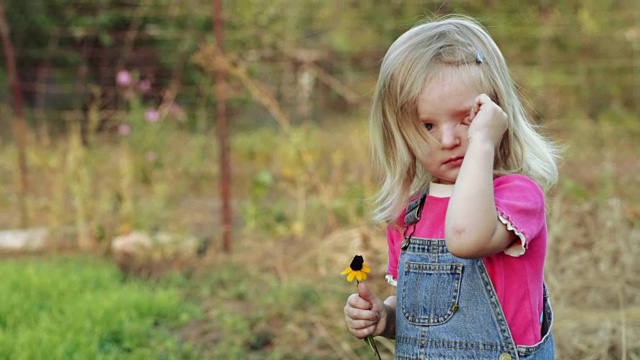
[[520, 205], [394, 241]]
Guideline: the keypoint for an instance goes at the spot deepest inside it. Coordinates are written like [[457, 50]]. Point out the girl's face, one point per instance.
[[444, 108]]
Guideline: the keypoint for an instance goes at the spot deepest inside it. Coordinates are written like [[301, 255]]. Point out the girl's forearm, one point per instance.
[[471, 218]]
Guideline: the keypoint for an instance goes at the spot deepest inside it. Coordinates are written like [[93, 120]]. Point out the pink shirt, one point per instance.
[[516, 273]]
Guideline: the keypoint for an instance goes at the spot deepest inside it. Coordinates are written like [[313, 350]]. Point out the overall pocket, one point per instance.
[[430, 292]]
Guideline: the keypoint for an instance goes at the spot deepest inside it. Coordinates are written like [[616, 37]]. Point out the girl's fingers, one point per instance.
[[480, 100], [483, 99], [360, 328], [357, 302], [363, 312], [361, 324], [363, 333], [359, 314], [472, 113]]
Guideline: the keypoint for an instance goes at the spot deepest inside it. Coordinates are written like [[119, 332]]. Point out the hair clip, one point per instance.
[[479, 58]]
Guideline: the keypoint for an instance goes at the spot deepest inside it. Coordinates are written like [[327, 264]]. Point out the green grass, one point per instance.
[[65, 307]]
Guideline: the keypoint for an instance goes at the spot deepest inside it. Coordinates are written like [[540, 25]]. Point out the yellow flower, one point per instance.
[[357, 270]]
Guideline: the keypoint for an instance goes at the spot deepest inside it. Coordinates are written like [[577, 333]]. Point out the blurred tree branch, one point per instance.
[[19, 124], [210, 58]]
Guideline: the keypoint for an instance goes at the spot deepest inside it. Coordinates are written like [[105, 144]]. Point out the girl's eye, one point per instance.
[[428, 126]]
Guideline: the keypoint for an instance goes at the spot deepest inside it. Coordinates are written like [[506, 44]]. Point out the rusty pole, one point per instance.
[[19, 123], [221, 126]]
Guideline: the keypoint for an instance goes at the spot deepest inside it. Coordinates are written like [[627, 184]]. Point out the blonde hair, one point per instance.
[[412, 60]]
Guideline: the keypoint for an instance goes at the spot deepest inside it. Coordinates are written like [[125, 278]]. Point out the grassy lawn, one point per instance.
[[73, 307], [82, 307]]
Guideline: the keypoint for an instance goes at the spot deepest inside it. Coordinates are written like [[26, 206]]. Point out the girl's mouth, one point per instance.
[[454, 162]]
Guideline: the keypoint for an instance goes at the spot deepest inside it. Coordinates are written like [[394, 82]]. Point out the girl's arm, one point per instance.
[[472, 227]]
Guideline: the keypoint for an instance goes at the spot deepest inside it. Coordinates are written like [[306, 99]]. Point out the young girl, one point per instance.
[[466, 254]]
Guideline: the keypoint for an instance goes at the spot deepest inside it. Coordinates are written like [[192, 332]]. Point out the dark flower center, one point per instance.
[[356, 263]]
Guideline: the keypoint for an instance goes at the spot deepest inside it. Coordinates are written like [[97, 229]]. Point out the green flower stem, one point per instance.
[[370, 341], [372, 344]]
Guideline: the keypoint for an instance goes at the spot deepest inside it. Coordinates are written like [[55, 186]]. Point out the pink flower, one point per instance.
[[152, 115], [124, 129], [144, 86], [123, 78]]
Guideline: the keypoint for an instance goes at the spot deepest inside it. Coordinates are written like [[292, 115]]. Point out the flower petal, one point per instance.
[[351, 276], [365, 268], [346, 271]]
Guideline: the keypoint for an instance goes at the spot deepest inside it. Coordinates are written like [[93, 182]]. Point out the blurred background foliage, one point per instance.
[[120, 106], [573, 58], [137, 75]]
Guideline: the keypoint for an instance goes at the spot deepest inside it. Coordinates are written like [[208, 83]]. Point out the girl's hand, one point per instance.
[[365, 314], [488, 121]]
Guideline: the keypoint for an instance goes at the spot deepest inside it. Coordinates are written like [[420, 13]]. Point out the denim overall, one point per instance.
[[447, 307]]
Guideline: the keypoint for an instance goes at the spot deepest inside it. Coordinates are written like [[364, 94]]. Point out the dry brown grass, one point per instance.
[[593, 269]]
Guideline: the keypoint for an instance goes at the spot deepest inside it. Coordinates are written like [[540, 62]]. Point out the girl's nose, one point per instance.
[[450, 137]]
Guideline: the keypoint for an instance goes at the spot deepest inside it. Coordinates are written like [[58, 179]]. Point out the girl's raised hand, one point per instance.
[[488, 122]]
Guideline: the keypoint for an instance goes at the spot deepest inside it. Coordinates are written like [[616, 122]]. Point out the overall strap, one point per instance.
[[414, 209]]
